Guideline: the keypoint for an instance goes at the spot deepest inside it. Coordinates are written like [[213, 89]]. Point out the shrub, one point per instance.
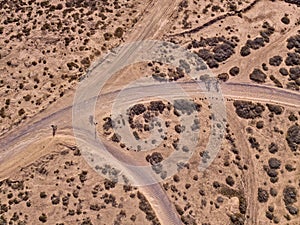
[[154, 158], [293, 137], [245, 50], [116, 138], [43, 194], [283, 71], [285, 20], [273, 148], [275, 60], [262, 195], [27, 97], [292, 210], [223, 77], [275, 109], [234, 71], [43, 218], [274, 163], [21, 112], [258, 76], [248, 110], [230, 180], [107, 36], [59, 6], [119, 32], [289, 195], [7, 102], [2, 112]]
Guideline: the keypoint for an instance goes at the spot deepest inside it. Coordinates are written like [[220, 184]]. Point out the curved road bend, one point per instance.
[[246, 91], [12, 142]]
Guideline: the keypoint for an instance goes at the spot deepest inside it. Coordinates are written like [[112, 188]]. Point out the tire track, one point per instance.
[[215, 20], [13, 142]]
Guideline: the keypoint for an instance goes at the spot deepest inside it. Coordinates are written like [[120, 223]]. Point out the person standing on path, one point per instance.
[[54, 129]]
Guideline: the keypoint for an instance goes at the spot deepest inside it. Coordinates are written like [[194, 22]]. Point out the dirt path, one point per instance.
[[153, 24], [39, 131], [248, 177]]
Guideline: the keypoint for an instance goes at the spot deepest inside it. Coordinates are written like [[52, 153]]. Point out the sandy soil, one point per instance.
[[46, 48]]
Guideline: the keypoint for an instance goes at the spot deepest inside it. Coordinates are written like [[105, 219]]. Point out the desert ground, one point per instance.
[[249, 174]]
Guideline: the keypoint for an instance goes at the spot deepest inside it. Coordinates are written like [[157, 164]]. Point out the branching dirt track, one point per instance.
[[154, 22], [248, 178], [38, 129], [150, 26]]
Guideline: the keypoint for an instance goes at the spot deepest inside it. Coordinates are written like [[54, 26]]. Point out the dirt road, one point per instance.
[[39, 128], [153, 24]]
